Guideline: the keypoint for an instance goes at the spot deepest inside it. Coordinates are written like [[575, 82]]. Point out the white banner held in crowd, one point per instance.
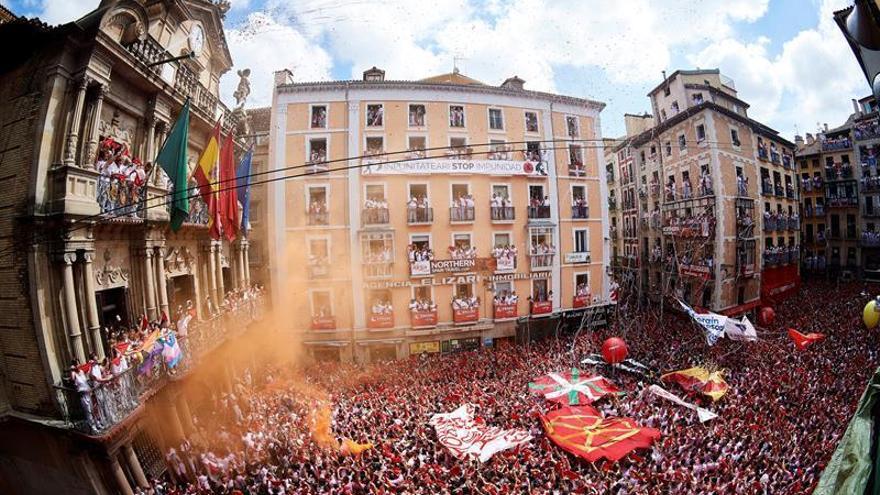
[[713, 323], [740, 330], [703, 414], [463, 437]]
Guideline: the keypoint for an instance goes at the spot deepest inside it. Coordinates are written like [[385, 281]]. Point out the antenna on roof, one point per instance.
[[455, 60]]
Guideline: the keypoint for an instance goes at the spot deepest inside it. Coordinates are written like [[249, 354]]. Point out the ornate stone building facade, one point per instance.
[[78, 253]]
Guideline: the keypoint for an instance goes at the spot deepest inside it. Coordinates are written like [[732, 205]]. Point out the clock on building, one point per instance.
[[196, 39]]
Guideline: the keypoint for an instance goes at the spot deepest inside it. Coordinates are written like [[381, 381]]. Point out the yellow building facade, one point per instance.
[[427, 216]]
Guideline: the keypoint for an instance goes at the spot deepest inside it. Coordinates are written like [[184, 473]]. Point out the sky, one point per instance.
[[788, 59]]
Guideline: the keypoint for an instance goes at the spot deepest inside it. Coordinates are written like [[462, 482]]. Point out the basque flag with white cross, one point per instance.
[[572, 388]]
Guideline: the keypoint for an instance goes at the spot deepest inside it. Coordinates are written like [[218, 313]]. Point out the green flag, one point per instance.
[[172, 159]]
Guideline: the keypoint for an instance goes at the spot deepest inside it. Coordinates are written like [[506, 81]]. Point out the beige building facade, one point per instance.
[[430, 215]]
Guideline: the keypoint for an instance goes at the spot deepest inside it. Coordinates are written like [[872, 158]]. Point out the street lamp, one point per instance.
[[861, 28]]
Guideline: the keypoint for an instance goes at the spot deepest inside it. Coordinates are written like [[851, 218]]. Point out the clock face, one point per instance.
[[196, 39]]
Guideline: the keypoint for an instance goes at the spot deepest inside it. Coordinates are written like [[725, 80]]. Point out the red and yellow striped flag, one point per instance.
[[204, 171], [700, 380]]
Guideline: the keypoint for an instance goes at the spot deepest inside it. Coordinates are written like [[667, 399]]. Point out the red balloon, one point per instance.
[[614, 350], [767, 315]]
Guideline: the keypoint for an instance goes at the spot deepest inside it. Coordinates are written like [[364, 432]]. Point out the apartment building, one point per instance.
[[840, 191], [718, 210], [430, 215]]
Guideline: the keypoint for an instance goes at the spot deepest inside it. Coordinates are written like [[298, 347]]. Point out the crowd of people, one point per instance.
[[775, 431], [384, 255], [703, 222], [780, 220], [781, 255], [465, 302], [462, 252], [419, 253], [382, 306], [866, 129], [870, 238], [505, 298], [122, 180], [835, 144], [422, 305]]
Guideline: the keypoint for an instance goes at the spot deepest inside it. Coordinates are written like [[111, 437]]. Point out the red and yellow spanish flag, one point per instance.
[[583, 431], [701, 380], [204, 172]]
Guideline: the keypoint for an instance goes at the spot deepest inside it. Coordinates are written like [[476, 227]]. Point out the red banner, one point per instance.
[[581, 301], [542, 307], [381, 320], [583, 431], [505, 311], [779, 283], [465, 315], [323, 322], [423, 318]]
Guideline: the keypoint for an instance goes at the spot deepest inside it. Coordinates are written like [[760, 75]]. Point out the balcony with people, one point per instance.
[[317, 161], [699, 265], [123, 181], [375, 212], [706, 188], [539, 208], [419, 211], [866, 129], [670, 192], [420, 256], [501, 209], [101, 393], [774, 155], [541, 255], [381, 316], [787, 160], [465, 309], [834, 200], [778, 190], [837, 143], [541, 302], [378, 258], [582, 297], [580, 209], [686, 223], [504, 305], [870, 184], [505, 257], [422, 312], [317, 213], [323, 319], [763, 153], [576, 167], [838, 171], [462, 209], [870, 238]]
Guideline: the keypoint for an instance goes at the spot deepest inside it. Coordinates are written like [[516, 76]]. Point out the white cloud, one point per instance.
[[63, 11], [265, 46], [815, 74]]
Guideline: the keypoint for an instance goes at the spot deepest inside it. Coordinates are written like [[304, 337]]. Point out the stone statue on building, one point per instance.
[[244, 88]]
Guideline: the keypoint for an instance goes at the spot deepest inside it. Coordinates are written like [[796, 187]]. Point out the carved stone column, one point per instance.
[[242, 280], [212, 272], [75, 121], [151, 139], [150, 286], [73, 330], [221, 290], [135, 465], [119, 476], [160, 276], [247, 262], [92, 304], [91, 156]]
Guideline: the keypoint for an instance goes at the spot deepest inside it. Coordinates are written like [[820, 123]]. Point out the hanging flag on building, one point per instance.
[[204, 171], [700, 380], [802, 341], [228, 192], [243, 176], [172, 159], [572, 388], [712, 323], [464, 437], [582, 431]]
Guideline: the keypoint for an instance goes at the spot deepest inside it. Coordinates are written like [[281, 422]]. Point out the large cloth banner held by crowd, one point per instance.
[[582, 431], [463, 437], [701, 380], [572, 388], [712, 323], [702, 414]]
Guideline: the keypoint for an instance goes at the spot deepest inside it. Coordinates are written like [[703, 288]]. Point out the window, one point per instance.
[[319, 117], [575, 156], [419, 192], [540, 291], [460, 193], [668, 148], [461, 242], [701, 133], [458, 148], [501, 191], [666, 91], [375, 192], [536, 192], [417, 115], [317, 150], [531, 122], [319, 251], [571, 125], [682, 142], [498, 150], [317, 197], [496, 119], [578, 193], [501, 239], [734, 137], [421, 241], [698, 98], [456, 116], [375, 146], [581, 238], [375, 115], [416, 145], [675, 108], [322, 303]]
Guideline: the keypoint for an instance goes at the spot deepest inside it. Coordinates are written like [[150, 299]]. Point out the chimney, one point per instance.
[[825, 126], [810, 139], [283, 76], [798, 140], [513, 83], [856, 108], [374, 74]]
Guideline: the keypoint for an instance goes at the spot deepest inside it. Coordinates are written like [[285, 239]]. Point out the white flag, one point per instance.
[[463, 437], [713, 323], [740, 330], [702, 414]]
